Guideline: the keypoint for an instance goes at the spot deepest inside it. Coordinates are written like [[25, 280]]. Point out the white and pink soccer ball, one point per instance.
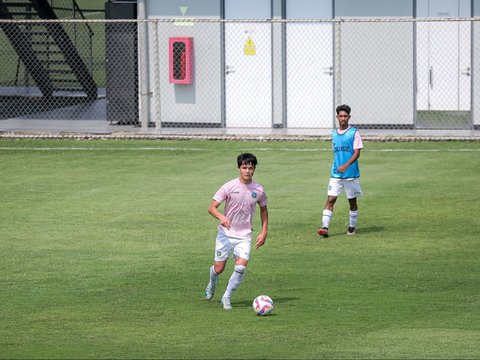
[[262, 305]]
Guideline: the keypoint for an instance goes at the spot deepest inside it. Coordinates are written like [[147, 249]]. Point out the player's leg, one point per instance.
[[327, 216], [352, 190], [335, 187], [215, 270], [352, 216], [242, 254], [223, 247]]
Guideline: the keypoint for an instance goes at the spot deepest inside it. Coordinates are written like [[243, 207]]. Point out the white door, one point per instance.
[[248, 65], [309, 75], [443, 61], [309, 65], [465, 66]]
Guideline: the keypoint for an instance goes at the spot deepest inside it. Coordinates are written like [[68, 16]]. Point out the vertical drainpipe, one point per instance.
[[143, 70], [337, 67]]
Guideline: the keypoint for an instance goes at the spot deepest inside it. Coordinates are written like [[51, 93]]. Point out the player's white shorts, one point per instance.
[[350, 186], [225, 246]]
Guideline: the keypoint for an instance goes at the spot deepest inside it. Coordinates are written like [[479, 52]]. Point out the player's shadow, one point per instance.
[[363, 230], [371, 229], [248, 303]]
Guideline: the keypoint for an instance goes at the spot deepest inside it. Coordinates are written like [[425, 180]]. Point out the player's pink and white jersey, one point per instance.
[[357, 140], [240, 204]]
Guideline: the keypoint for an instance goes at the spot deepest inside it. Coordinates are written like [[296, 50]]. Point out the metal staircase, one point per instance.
[[46, 50]]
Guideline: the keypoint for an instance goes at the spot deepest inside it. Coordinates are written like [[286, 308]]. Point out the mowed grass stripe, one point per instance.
[[105, 254]]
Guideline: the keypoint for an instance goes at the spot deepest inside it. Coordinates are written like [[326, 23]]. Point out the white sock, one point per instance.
[[326, 217], [213, 275], [235, 280], [353, 218]]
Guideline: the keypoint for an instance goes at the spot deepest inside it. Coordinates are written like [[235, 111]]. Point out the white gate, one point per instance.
[[248, 65], [309, 75], [443, 61], [248, 75]]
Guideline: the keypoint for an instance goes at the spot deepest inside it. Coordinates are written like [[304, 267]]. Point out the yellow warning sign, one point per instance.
[[249, 48]]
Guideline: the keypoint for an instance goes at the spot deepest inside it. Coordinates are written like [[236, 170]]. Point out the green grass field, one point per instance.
[[105, 249]]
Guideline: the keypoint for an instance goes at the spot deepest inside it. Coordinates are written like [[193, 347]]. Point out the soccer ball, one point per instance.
[[262, 305]]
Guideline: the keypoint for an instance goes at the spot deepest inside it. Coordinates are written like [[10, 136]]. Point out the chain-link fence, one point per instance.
[[194, 75]]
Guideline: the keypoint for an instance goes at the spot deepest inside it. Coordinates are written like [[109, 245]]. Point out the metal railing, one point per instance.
[[275, 75]]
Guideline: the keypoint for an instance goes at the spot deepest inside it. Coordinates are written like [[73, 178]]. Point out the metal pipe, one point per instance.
[[143, 69]]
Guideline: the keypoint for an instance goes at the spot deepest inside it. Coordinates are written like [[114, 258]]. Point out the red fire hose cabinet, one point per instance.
[[180, 51]]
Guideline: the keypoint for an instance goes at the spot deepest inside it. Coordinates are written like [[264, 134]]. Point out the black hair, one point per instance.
[[246, 159], [343, 107]]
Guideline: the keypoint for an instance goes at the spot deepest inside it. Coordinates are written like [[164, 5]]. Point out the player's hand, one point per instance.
[[225, 222], [261, 238], [342, 168]]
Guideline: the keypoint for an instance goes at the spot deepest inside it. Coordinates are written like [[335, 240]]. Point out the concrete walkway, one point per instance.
[[61, 128], [88, 121]]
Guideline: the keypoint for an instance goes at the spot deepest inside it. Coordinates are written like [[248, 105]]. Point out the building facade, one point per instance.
[[285, 64]]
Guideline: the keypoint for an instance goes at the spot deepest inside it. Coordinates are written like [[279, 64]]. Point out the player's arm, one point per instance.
[[262, 237], [213, 210], [353, 158], [357, 147]]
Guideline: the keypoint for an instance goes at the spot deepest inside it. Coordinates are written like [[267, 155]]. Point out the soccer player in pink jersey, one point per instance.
[[241, 196]]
